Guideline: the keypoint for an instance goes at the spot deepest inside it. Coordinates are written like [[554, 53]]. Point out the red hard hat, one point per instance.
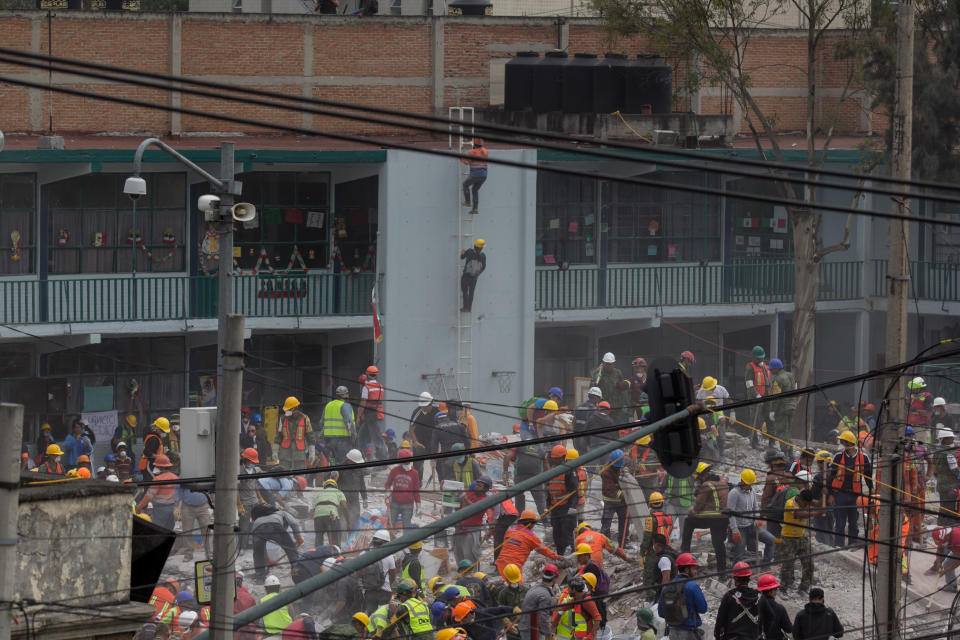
[[302, 482], [245, 410], [940, 535], [559, 451], [741, 570], [688, 355], [686, 560], [404, 453], [766, 582], [639, 362], [250, 454]]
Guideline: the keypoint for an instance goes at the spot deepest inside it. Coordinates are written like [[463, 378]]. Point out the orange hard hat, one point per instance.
[[83, 458], [83, 472], [463, 609], [559, 451], [528, 514], [302, 482], [162, 461], [372, 370], [250, 454]]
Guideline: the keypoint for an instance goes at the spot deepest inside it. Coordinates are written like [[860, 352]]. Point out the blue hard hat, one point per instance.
[[256, 418], [556, 391], [909, 431], [390, 433], [109, 458], [184, 596], [617, 458], [776, 364], [485, 480], [448, 593]]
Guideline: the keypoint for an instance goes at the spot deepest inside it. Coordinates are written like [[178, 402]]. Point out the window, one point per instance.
[[292, 214], [758, 229], [94, 227], [566, 219], [17, 223]]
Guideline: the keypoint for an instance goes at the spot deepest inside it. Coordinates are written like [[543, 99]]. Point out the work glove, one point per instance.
[[517, 610], [778, 541], [240, 509], [176, 513], [736, 537]]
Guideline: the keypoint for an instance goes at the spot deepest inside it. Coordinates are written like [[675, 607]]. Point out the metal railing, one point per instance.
[[688, 284], [129, 299], [938, 281]]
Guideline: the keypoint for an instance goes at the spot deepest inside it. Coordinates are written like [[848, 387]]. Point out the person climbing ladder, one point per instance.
[[477, 161]]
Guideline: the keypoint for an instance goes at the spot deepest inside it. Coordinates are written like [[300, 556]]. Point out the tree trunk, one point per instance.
[[806, 285]]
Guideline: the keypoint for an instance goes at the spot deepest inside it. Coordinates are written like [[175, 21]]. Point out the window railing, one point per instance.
[[129, 299], [938, 281]]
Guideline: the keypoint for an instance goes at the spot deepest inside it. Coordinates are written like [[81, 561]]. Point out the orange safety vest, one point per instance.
[[857, 473], [761, 377], [375, 395], [478, 157], [664, 523], [205, 616], [643, 466], [142, 465], [581, 485], [48, 469], [300, 436], [557, 488]]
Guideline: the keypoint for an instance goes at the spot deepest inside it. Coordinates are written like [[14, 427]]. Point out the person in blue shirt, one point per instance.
[[75, 445], [689, 628], [194, 509]]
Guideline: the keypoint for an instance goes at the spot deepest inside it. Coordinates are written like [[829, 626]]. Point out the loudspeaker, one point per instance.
[[243, 212]]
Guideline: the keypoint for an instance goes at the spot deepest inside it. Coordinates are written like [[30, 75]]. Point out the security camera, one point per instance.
[[135, 186]]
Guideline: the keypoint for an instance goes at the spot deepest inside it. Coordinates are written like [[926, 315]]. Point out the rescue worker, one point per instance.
[[601, 419], [679, 493], [717, 422], [851, 469], [561, 496], [919, 404], [338, 428], [774, 621], [293, 433], [914, 484], [582, 483], [44, 440], [271, 525], [688, 628], [152, 447], [598, 579], [413, 616], [474, 582], [528, 462], [816, 621], [851, 421], [279, 619], [125, 432], [656, 522], [614, 502], [520, 541], [738, 617], [476, 160], [474, 263], [744, 509], [710, 503], [512, 595], [645, 624], [757, 382], [803, 463], [647, 466], [51, 464], [371, 415], [579, 616], [776, 476], [248, 494], [614, 388], [330, 513], [412, 569], [467, 539], [505, 514], [403, 485], [686, 363], [582, 415], [827, 422], [940, 419], [781, 409], [163, 496], [163, 596], [353, 485], [638, 386], [535, 623], [598, 543], [423, 437], [796, 541]]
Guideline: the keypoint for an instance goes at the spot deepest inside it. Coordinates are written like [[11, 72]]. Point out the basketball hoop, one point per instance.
[[504, 380]]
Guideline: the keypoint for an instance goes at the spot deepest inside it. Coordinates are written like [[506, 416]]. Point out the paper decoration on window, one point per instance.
[[272, 216], [554, 224], [168, 236], [671, 251], [315, 219], [588, 249], [549, 259], [573, 227], [747, 221], [776, 243], [15, 245], [237, 252], [753, 241], [539, 249], [209, 245], [263, 260], [98, 239], [653, 228], [133, 237], [739, 241], [293, 216], [779, 220], [63, 237], [651, 249], [588, 219], [340, 227]]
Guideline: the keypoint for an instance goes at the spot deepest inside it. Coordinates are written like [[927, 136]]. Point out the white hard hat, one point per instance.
[[939, 402], [342, 391], [271, 581], [329, 562], [112, 478], [382, 534], [425, 399], [803, 476], [187, 617], [609, 358], [595, 391], [354, 455], [944, 433]]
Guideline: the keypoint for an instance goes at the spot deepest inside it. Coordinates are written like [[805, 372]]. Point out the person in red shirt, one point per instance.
[[466, 542], [403, 483], [241, 602], [477, 162], [520, 541]]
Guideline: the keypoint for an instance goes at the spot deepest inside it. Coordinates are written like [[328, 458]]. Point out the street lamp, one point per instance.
[[218, 207]]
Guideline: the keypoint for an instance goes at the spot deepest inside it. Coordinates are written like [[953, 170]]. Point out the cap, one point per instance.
[[609, 358], [595, 391]]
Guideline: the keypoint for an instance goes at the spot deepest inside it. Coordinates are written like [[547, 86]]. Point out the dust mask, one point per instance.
[[288, 413], [513, 585], [462, 459], [407, 466]]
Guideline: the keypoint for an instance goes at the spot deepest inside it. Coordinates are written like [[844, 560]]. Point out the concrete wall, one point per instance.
[[420, 260]]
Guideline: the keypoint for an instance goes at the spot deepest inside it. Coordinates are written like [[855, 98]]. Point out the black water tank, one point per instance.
[[578, 83], [548, 82], [518, 81], [649, 86], [609, 77]]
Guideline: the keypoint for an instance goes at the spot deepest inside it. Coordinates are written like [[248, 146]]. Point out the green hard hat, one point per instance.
[[758, 352], [406, 586], [645, 616], [457, 446], [464, 564]]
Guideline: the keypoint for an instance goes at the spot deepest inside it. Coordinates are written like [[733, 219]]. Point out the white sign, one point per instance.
[[102, 423]]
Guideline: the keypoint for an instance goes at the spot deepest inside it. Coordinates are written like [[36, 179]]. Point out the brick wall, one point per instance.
[[386, 61]]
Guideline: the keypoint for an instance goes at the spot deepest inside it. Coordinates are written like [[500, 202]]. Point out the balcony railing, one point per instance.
[[129, 299], [681, 285], [928, 280]]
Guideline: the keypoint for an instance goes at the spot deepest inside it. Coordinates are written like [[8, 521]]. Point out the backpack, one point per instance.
[[372, 576], [525, 405], [603, 579], [774, 511], [673, 600]]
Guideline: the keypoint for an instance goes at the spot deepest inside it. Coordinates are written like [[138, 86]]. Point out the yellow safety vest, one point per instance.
[[418, 617], [275, 621], [567, 630], [406, 574], [378, 619], [333, 423]]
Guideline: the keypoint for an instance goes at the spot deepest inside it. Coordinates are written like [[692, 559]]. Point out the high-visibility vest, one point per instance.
[[664, 522], [327, 502], [858, 463], [170, 615], [333, 423], [478, 158], [575, 628], [205, 616], [581, 485], [275, 621], [56, 469], [407, 561], [645, 468], [299, 437], [161, 599], [375, 396], [557, 488], [464, 472], [679, 489], [379, 619], [142, 465], [418, 617], [761, 377], [716, 500]]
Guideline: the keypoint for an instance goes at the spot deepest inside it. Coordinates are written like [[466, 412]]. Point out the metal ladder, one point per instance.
[[461, 135]]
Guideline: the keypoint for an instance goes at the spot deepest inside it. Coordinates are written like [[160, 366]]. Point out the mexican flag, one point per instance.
[[377, 329]]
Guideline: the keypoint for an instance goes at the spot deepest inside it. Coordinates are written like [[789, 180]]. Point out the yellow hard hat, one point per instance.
[[572, 454], [645, 440], [73, 473], [583, 549], [54, 450], [655, 498], [45, 426], [702, 423], [709, 383], [550, 405], [590, 579], [703, 466], [432, 583], [163, 424], [512, 574], [584, 525], [448, 633], [131, 420], [480, 243], [290, 403], [361, 617], [748, 477], [480, 575], [405, 444], [848, 437], [823, 455], [416, 545]]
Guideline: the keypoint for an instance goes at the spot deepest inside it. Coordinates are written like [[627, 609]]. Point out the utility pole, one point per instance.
[[227, 470], [888, 562], [11, 428]]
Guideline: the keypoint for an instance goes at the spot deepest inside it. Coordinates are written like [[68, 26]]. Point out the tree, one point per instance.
[[713, 39]]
